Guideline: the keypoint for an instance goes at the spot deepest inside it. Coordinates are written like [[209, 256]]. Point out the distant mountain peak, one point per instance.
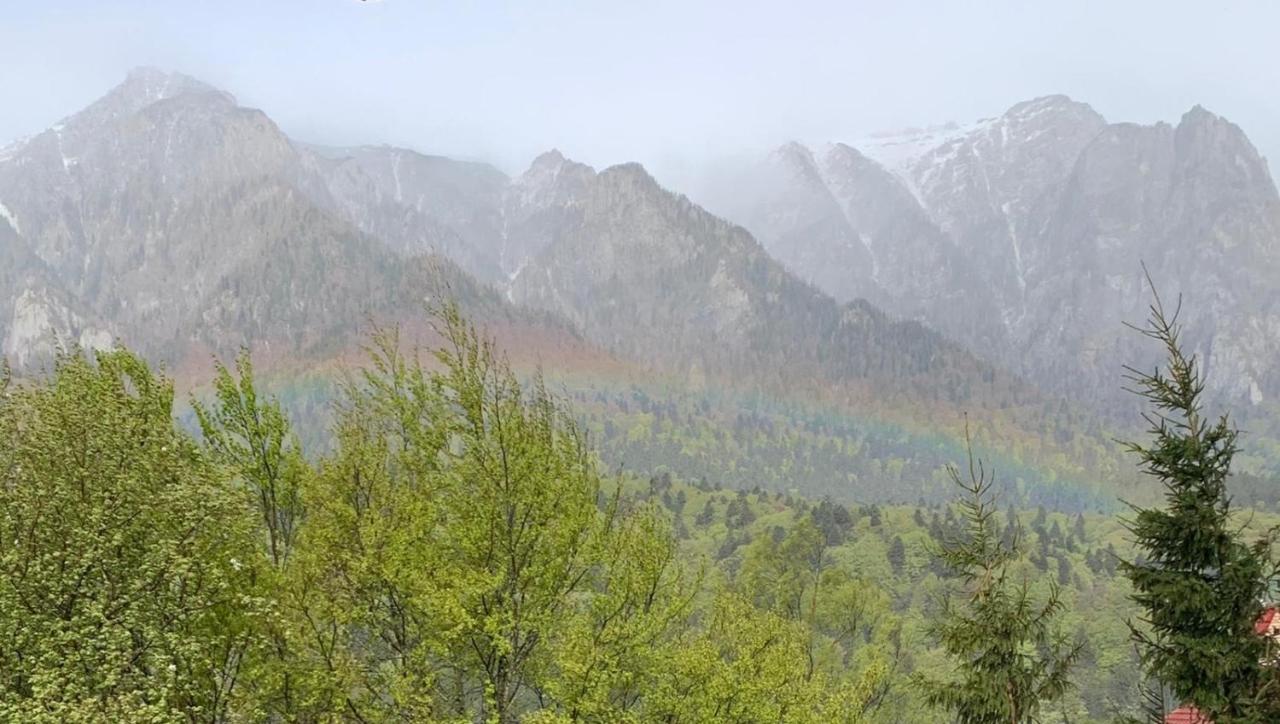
[[845, 152], [632, 176], [1198, 112], [145, 85], [1201, 125], [1209, 141], [1199, 116], [1026, 232], [799, 160], [1046, 102], [550, 166], [141, 88], [631, 169], [547, 159], [795, 149], [1051, 109]]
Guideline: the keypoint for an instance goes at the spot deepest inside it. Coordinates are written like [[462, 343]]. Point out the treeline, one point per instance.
[[816, 455], [736, 440]]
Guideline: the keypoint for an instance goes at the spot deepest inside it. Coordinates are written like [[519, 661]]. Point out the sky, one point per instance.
[[669, 84]]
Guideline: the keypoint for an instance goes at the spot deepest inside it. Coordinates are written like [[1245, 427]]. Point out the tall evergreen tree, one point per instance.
[[1008, 659], [897, 554], [1198, 584]]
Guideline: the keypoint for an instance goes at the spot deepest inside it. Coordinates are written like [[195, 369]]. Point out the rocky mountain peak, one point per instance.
[[1053, 106], [148, 85], [799, 162], [630, 175], [142, 205], [794, 152], [1201, 125], [548, 160], [844, 156], [1023, 232], [1205, 137], [549, 167], [141, 88]]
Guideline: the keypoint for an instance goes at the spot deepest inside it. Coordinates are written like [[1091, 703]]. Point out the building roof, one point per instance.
[[1266, 621], [1186, 715]]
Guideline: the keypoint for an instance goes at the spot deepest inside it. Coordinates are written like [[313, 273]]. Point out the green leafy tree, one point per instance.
[[750, 665], [844, 621], [1008, 660], [705, 516], [375, 597], [614, 648], [522, 500], [250, 436], [456, 562], [123, 568], [1198, 584]]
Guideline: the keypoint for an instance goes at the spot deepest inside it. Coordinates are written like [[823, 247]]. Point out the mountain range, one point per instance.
[[170, 217], [982, 269], [1029, 237]]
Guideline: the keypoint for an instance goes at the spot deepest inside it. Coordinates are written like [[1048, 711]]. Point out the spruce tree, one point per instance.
[[897, 554], [1008, 660], [1198, 584]]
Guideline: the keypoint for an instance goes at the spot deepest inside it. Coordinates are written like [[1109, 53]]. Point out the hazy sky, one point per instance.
[[665, 83]]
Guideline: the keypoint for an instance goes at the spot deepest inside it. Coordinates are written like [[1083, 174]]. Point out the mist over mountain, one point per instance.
[[1024, 237], [652, 363], [180, 219], [983, 269], [174, 220], [665, 362]]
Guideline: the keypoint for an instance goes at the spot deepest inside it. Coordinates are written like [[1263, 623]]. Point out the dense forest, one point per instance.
[[798, 447], [456, 552]]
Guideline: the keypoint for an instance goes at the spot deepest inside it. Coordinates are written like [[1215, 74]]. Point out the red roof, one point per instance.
[[1263, 624]]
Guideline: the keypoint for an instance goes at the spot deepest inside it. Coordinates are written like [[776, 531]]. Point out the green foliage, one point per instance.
[[750, 665], [370, 596], [1198, 584], [452, 554], [817, 451], [253, 439], [1009, 661], [124, 587]]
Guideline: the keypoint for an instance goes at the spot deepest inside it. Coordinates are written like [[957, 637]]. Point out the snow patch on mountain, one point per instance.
[[901, 151], [10, 217]]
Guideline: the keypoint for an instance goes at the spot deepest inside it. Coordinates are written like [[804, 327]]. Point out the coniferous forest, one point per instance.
[[458, 553]]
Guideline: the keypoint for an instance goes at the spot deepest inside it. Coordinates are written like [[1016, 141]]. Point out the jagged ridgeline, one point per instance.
[[169, 217], [1026, 234]]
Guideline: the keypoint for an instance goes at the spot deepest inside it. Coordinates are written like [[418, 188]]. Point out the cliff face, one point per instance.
[[1024, 236]]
